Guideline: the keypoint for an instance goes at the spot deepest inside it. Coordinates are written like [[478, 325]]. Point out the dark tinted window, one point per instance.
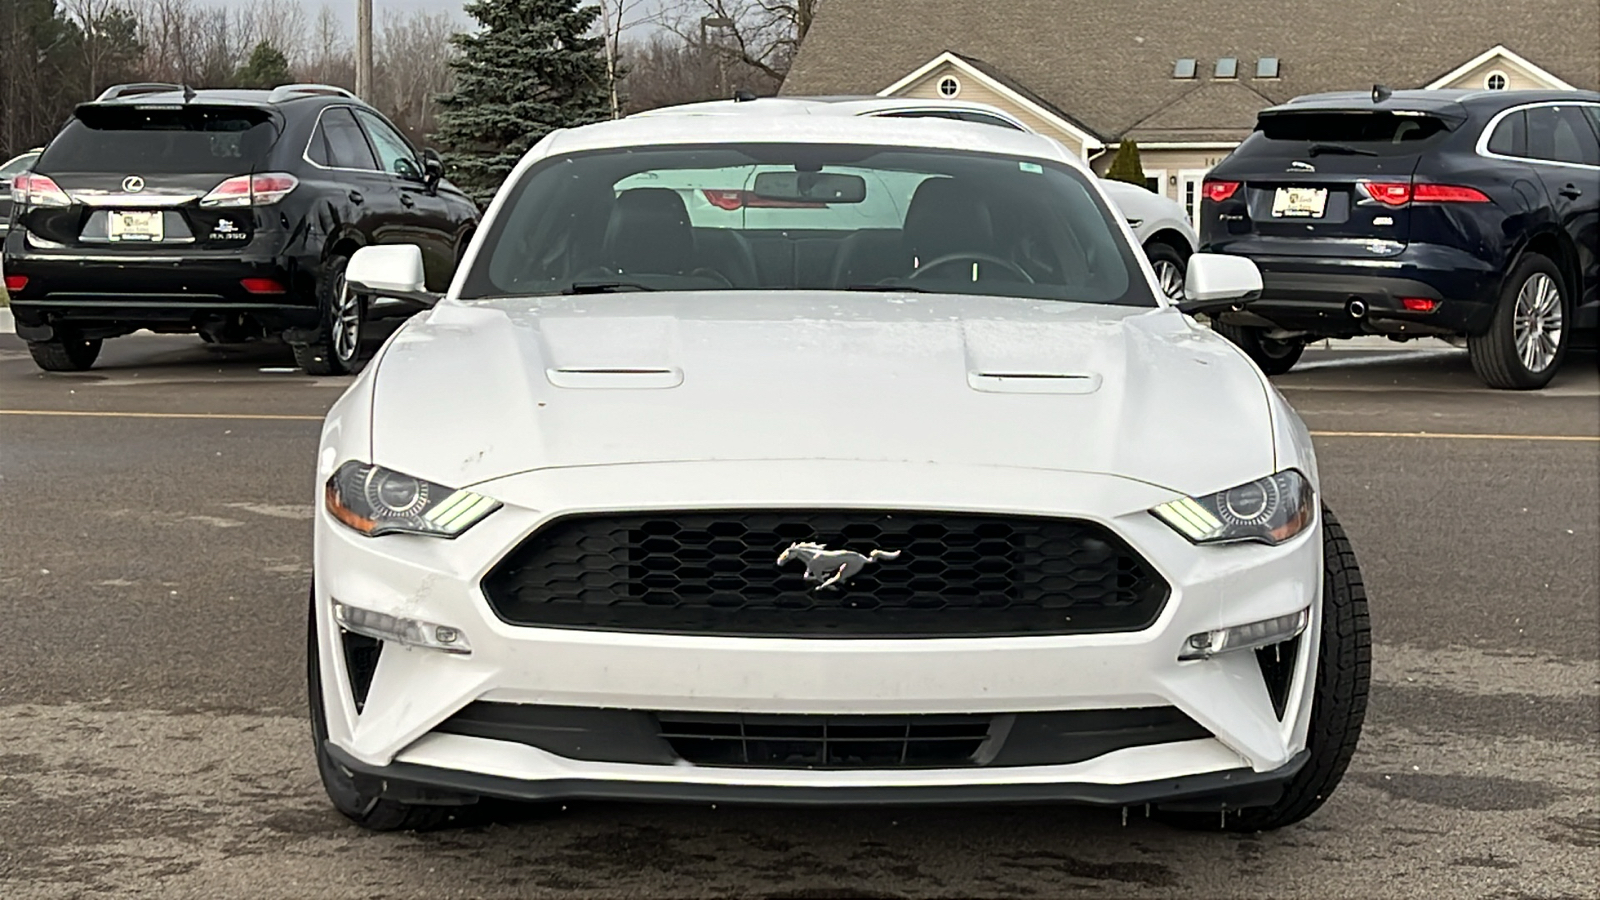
[[347, 147], [1510, 137], [1560, 134], [943, 221], [195, 138], [1369, 132]]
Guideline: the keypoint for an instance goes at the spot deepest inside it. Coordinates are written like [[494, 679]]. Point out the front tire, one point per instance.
[[1528, 337], [1170, 268], [65, 354], [1339, 699], [360, 806], [337, 349], [1274, 356]]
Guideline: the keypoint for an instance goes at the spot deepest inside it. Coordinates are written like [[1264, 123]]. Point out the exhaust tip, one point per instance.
[[1356, 307]]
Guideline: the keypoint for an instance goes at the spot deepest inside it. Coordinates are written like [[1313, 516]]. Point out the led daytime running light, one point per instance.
[[1251, 636], [400, 630]]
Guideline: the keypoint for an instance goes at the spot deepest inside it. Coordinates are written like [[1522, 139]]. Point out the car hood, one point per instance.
[[479, 390]]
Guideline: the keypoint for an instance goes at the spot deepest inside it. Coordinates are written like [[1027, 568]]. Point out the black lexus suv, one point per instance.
[[1468, 215], [227, 213]]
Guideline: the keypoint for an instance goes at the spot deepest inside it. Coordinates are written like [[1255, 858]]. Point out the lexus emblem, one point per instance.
[[133, 184], [831, 568]]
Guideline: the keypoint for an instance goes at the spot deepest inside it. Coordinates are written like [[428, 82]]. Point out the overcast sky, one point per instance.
[[347, 8]]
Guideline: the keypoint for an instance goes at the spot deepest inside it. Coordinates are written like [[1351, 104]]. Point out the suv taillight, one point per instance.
[[1218, 191], [1399, 193], [30, 190], [251, 190]]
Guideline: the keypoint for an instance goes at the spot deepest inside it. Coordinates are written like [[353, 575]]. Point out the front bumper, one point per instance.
[[1312, 294], [415, 690]]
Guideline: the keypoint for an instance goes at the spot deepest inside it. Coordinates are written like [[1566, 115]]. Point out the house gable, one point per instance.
[[1519, 73], [980, 86]]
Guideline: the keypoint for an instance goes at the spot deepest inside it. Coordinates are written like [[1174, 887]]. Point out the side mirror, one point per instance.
[[432, 168], [1217, 282], [390, 271]]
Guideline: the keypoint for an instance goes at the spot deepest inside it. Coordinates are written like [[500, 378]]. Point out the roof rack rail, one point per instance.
[[284, 91], [142, 87]]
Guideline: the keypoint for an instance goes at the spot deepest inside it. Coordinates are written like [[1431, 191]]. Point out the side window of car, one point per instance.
[[344, 145], [985, 119], [394, 154], [1510, 137], [1560, 134]]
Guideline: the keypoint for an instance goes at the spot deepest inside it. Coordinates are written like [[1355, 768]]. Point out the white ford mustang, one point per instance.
[[822, 461]]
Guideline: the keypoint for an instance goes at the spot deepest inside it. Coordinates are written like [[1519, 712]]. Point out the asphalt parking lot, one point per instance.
[[154, 559]]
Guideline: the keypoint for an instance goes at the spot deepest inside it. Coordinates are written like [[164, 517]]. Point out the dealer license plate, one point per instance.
[[1299, 203], [135, 226]]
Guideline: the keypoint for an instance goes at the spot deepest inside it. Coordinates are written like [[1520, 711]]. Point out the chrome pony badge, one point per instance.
[[830, 568], [133, 184]]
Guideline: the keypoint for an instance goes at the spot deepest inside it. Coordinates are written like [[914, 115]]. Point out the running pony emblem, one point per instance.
[[831, 568]]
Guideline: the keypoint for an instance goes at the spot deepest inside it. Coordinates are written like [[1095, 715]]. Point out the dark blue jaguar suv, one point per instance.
[[1468, 215]]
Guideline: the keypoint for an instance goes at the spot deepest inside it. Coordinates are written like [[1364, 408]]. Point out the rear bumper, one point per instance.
[[1314, 294], [105, 294], [436, 785]]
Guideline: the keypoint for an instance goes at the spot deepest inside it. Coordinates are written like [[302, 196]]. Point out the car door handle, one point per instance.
[[355, 197], [1570, 192], [407, 201]]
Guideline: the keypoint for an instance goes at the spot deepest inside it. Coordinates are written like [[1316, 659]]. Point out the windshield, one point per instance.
[[806, 217], [194, 138]]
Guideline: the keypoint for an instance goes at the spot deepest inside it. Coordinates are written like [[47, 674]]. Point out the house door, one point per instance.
[[1189, 183]]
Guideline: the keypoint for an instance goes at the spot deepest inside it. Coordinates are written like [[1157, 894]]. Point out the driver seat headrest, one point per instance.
[[649, 232], [945, 216]]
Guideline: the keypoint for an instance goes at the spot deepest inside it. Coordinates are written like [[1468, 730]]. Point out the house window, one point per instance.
[[1495, 81], [1228, 67], [1184, 68], [949, 86], [1267, 67]]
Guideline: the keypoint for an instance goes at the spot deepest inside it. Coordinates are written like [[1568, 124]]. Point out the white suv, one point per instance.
[[1160, 224]]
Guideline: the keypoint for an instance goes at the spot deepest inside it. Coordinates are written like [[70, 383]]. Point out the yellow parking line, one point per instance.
[[1461, 436], [155, 415]]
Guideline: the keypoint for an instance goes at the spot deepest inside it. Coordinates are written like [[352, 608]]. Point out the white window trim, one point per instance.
[[940, 86], [1488, 133], [1489, 76], [1498, 50], [1088, 141]]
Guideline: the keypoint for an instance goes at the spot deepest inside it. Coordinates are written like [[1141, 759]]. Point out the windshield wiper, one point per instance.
[[888, 289], [1342, 149], [604, 287]]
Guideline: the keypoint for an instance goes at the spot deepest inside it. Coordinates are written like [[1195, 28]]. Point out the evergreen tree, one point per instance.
[[267, 67], [1125, 165], [531, 68]]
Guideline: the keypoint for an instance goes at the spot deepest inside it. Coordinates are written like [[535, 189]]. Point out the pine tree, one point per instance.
[[1125, 165], [531, 68], [267, 67]]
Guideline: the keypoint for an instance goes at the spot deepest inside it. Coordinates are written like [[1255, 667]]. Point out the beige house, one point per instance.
[[1185, 79]]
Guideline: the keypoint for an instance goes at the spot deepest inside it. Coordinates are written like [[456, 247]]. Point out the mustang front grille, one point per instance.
[[844, 574]]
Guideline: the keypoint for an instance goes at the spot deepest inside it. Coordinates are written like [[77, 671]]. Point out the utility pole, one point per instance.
[[364, 49]]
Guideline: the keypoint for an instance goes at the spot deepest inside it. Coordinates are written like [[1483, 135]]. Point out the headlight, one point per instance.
[[1270, 510], [374, 500]]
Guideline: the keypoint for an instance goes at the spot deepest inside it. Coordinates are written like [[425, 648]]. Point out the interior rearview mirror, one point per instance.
[[810, 187], [1216, 282]]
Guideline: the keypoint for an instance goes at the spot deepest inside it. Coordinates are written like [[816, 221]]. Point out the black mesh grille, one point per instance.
[[818, 742], [718, 573]]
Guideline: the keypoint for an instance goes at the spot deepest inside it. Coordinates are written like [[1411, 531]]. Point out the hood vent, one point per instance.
[[624, 377], [1034, 382]]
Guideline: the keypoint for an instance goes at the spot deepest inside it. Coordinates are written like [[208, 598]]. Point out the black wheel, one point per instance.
[[65, 354], [1274, 356], [1170, 268], [337, 349], [359, 806], [1528, 337], [1339, 699]]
